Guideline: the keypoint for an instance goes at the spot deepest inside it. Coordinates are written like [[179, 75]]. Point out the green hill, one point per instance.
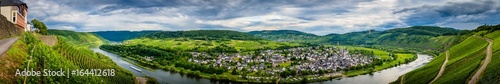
[[464, 61], [119, 36], [286, 36], [421, 37], [425, 30], [209, 45], [203, 35], [78, 38]]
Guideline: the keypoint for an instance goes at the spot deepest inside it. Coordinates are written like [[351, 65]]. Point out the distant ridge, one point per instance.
[[203, 35], [119, 36]]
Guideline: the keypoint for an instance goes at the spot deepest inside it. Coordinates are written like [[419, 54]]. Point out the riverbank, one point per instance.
[[384, 76]]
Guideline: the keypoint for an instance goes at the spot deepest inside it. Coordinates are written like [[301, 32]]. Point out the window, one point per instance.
[[14, 17]]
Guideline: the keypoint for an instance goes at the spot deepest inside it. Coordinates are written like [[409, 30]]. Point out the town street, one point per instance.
[[5, 44]]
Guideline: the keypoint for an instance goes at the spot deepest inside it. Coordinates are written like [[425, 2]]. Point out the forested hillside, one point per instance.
[[78, 38], [422, 37], [425, 30], [286, 36], [119, 36], [203, 35]]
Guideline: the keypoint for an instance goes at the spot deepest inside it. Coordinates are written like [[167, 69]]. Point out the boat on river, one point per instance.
[[136, 68]]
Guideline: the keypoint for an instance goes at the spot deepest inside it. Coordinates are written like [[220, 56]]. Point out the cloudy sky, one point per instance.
[[312, 16]]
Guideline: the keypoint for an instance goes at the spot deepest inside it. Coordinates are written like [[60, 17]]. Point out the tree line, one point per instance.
[[203, 35], [162, 57]]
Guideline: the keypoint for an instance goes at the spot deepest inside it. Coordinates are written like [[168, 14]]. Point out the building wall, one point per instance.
[[21, 21], [10, 11], [8, 29], [6, 11]]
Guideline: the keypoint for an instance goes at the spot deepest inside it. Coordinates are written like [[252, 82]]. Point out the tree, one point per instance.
[[304, 81], [42, 29], [234, 72], [151, 80]]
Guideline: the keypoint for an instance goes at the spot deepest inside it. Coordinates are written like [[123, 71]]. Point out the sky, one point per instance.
[[319, 17]]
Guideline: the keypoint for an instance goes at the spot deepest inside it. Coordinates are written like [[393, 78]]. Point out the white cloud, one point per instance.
[[269, 20], [65, 27], [120, 19], [308, 16], [365, 16]]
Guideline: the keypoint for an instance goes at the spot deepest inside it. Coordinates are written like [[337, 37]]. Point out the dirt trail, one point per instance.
[[475, 78], [442, 67]]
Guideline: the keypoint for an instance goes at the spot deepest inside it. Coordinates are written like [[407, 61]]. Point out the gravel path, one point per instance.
[[475, 78], [442, 67]]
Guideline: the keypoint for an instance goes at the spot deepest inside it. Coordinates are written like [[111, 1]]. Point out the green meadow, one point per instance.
[[188, 44]]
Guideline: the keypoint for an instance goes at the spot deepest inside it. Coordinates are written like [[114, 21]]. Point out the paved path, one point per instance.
[[5, 44], [475, 78], [442, 67]]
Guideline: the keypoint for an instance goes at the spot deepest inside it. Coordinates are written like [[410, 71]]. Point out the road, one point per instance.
[[5, 44], [475, 78], [442, 67]]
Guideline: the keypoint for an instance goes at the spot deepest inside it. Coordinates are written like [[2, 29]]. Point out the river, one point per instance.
[[380, 77], [161, 75], [385, 76]]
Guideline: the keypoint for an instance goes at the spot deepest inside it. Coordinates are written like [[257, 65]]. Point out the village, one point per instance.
[[273, 62]]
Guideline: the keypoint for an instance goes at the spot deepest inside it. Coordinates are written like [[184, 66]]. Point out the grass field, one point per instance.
[[492, 73], [191, 44], [495, 36], [466, 48], [378, 53], [459, 71], [464, 59]]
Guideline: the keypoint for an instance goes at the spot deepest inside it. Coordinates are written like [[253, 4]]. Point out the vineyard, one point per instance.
[[493, 70], [66, 57]]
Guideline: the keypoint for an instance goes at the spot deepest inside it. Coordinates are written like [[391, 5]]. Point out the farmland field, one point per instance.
[[188, 44]]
